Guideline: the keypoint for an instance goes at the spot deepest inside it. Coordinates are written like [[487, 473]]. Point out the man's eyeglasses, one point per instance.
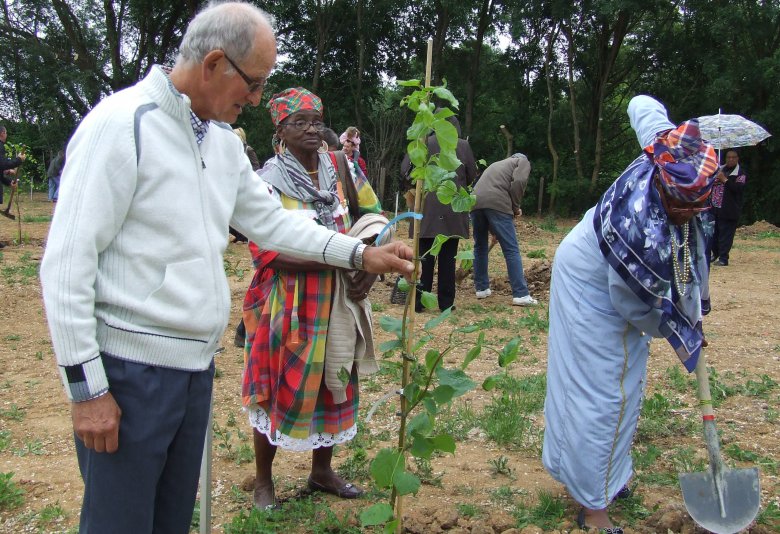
[[252, 85], [303, 125]]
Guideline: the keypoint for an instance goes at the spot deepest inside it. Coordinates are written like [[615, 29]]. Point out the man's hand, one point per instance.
[[722, 178], [392, 257], [96, 423], [22, 156], [360, 285]]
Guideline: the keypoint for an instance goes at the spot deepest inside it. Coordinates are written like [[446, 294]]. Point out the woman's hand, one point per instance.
[[360, 285]]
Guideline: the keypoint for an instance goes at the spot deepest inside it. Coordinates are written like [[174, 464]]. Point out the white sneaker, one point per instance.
[[485, 293], [527, 300]]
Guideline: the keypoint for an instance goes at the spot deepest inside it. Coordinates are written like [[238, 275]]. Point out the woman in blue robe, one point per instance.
[[634, 268]]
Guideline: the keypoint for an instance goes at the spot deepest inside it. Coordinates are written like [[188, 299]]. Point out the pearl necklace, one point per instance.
[[682, 273]]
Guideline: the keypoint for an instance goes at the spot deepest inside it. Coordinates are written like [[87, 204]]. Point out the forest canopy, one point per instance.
[[558, 75]]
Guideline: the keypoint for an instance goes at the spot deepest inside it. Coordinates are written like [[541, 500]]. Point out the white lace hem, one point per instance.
[[260, 421]]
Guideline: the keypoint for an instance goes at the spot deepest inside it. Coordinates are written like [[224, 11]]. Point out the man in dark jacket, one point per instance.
[[439, 218], [8, 166], [727, 205]]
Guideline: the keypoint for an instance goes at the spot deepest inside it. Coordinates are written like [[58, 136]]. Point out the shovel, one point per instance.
[[7, 211], [722, 500]]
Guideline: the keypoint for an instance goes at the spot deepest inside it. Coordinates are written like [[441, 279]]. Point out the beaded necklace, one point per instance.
[[682, 273]]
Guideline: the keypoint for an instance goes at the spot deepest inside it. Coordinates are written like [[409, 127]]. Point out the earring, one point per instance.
[[324, 148], [281, 148]]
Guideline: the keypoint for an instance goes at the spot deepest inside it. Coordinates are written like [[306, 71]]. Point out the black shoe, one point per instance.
[[2, 245], [722, 263], [239, 340], [624, 493]]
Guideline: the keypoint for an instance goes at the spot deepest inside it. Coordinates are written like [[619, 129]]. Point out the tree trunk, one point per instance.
[[618, 33], [485, 18], [573, 100], [361, 61], [551, 109]]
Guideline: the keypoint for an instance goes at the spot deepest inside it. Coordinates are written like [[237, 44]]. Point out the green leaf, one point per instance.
[[424, 339], [420, 424], [445, 94], [429, 300], [343, 376], [390, 345], [411, 391], [446, 192], [432, 358], [385, 465], [376, 514], [471, 355], [409, 83], [466, 254], [430, 406], [403, 284], [468, 329], [435, 176], [406, 483], [448, 161], [509, 352], [391, 324], [446, 135], [422, 447], [443, 394], [463, 202], [444, 443], [456, 379], [490, 382], [438, 241], [436, 321], [391, 527], [444, 113], [418, 153]]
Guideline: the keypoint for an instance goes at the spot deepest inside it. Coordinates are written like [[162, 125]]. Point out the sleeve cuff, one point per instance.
[[84, 381], [340, 251]]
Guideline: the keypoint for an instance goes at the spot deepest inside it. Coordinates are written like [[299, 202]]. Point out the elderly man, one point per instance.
[[8, 166], [499, 192], [727, 204], [133, 281]]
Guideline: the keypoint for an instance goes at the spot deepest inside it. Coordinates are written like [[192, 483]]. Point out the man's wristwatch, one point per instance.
[[357, 260]]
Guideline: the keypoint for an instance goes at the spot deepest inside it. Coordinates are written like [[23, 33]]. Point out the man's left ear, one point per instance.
[[210, 64]]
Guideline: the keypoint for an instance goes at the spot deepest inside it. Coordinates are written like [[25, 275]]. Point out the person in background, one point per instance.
[[133, 279], [634, 268], [289, 305], [499, 192], [353, 154], [248, 150], [332, 140], [727, 205], [438, 219], [53, 174], [8, 167]]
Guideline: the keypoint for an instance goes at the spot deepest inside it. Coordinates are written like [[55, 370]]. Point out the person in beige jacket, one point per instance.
[[499, 192]]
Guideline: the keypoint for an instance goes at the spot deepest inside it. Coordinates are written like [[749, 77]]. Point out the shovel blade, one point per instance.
[[741, 497], [9, 215]]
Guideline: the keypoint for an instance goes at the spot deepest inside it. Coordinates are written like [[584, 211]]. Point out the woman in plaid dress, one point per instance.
[[287, 308]]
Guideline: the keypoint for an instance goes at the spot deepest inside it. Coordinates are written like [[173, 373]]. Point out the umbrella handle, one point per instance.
[[710, 431]]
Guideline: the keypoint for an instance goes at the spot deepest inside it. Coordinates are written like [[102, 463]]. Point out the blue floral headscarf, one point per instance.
[[635, 237]]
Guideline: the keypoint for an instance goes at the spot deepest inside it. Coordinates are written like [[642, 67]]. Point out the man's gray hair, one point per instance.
[[228, 26], [2, 129]]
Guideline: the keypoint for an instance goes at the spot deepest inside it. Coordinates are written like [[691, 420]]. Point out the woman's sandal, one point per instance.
[[347, 491], [583, 526]]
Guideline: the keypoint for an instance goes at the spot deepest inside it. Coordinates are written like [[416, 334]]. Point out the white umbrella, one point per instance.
[[731, 131]]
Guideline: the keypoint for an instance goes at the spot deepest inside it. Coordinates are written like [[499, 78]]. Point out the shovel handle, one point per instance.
[[703, 381]]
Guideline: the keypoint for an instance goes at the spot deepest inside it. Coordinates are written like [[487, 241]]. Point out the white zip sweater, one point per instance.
[[133, 265]]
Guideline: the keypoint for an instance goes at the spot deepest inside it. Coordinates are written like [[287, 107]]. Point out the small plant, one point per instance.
[[223, 439], [657, 419], [468, 510], [39, 355], [233, 268], [644, 459], [13, 413], [49, 514], [5, 439], [735, 452], [34, 447], [36, 218], [769, 515], [503, 496], [534, 322], [237, 495], [245, 454], [424, 470], [679, 381], [377, 307], [24, 272], [632, 509], [356, 466], [538, 253], [11, 495], [547, 514], [13, 337], [549, 224], [500, 466]]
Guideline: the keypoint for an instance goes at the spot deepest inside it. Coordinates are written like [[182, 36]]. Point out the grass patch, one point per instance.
[[36, 218], [457, 421], [538, 253], [14, 413], [657, 419], [11, 495], [735, 452], [533, 322], [550, 224], [468, 510], [24, 272], [769, 515], [632, 509], [299, 515], [547, 514], [504, 423]]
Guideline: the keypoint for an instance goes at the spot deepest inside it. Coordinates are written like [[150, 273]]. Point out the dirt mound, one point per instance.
[[757, 228]]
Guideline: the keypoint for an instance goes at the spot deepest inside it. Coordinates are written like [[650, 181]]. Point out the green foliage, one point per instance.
[[769, 515], [296, 515], [548, 512], [11, 495], [24, 272], [539, 253], [657, 419], [735, 452]]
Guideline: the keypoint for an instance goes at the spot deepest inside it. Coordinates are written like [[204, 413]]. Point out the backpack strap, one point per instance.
[[341, 163]]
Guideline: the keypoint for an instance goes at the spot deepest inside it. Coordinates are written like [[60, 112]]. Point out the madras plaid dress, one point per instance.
[[286, 315]]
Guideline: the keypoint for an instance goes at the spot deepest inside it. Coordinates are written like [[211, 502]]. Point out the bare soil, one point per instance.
[[744, 345]]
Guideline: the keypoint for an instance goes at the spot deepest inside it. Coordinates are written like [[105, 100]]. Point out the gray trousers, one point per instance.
[[149, 485]]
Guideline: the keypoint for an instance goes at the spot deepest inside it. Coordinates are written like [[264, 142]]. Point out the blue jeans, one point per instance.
[[503, 226]]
